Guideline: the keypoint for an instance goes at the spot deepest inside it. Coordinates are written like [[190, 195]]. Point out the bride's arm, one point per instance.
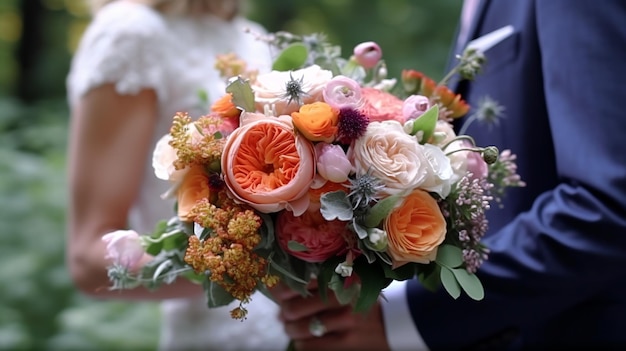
[[110, 141]]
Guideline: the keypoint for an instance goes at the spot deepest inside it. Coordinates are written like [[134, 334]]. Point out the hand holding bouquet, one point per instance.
[[323, 168]]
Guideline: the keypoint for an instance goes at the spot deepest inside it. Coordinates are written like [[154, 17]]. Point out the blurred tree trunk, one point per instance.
[[28, 50]]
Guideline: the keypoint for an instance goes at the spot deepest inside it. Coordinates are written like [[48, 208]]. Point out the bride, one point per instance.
[[138, 63]]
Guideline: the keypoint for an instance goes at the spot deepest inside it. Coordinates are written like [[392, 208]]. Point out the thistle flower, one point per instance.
[[364, 189], [352, 125], [489, 110], [294, 91]]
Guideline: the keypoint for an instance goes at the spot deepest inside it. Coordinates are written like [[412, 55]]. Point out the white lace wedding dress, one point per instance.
[[135, 47]]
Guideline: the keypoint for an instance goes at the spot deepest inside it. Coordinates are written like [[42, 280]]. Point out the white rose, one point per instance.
[[269, 88], [391, 155], [440, 176], [164, 155]]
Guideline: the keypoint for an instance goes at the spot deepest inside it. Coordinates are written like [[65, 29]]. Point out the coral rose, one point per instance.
[[415, 229], [193, 188], [317, 121], [381, 106], [267, 165], [323, 239]]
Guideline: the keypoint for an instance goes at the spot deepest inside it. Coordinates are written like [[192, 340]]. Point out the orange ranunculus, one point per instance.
[[415, 229], [224, 107], [381, 106], [193, 187], [267, 165], [317, 121]]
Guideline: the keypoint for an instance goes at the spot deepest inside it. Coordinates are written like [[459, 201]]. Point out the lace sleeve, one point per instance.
[[120, 46]]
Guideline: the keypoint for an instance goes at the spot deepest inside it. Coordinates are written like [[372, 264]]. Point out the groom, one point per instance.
[[556, 274]]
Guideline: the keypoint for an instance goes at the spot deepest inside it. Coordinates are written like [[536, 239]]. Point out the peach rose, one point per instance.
[[317, 121], [415, 229], [323, 239], [381, 106], [194, 187], [267, 165]]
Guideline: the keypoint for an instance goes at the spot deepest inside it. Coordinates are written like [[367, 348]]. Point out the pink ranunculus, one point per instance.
[[267, 165], [414, 106], [332, 162], [124, 248], [381, 106], [343, 92], [323, 239], [367, 54]]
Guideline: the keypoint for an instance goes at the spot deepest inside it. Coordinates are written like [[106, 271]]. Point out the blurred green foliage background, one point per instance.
[[39, 307]]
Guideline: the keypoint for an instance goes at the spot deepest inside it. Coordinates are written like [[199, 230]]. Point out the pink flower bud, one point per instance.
[[343, 92], [475, 164], [124, 248], [415, 106], [332, 162], [367, 54]]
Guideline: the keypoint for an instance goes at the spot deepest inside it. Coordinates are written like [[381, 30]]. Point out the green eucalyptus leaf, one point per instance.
[[470, 283], [336, 205], [296, 246], [426, 123], [344, 295], [450, 283], [360, 231], [243, 96], [216, 295], [449, 255], [291, 58], [380, 211]]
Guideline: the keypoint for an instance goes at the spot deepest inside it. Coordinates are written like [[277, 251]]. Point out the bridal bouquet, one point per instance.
[[323, 168]]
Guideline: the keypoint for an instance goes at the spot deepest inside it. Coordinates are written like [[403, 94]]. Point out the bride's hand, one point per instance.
[[315, 324]]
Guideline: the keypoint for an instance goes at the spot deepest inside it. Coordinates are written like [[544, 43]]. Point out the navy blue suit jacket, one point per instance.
[[556, 274]]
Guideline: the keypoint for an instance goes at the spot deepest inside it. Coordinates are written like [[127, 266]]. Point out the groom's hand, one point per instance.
[[337, 326]]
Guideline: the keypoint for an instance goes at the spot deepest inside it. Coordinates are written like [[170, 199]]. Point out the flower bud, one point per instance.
[[367, 54], [414, 106], [332, 162], [344, 269], [378, 238], [490, 154]]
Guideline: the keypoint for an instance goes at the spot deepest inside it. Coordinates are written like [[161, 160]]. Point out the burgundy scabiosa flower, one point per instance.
[[351, 126]]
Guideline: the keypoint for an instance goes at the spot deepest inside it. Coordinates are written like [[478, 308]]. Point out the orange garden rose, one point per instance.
[[317, 121], [267, 165], [194, 187], [415, 229], [381, 106]]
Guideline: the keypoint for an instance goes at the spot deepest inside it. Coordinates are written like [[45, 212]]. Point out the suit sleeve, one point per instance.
[[571, 244]]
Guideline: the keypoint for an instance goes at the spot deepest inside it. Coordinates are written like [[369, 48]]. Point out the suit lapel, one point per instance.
[[471, 34]]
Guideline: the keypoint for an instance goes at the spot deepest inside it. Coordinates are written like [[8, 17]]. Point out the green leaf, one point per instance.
[[325, 275], [470, 283], [291, 58], [216, 295], [344, 295], [449, 255], [296, 246], [243, 96], [203, 96], [430, 276], [450, 283], [380, 211], [373, 280], [404, 272], [426, 123], [336, 205]]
